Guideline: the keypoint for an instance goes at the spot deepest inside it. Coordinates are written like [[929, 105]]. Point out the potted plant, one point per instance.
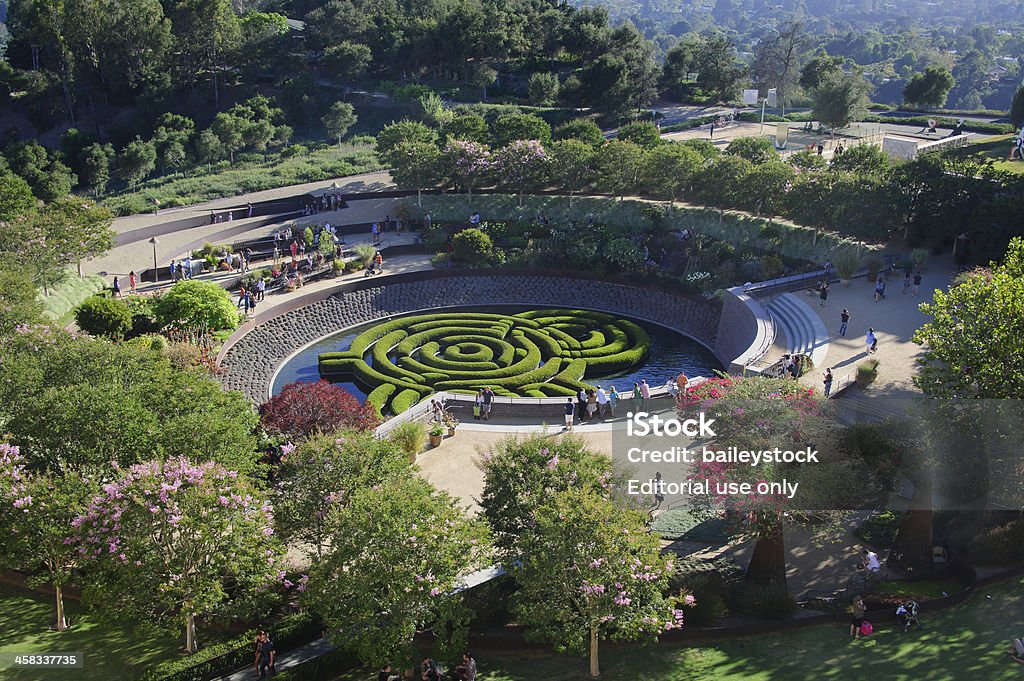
[[436, 434], [451, 423], [874, 265], [867, 372], [918, 257], [846, 265]]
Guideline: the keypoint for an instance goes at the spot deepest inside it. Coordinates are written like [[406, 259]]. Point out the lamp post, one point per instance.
[[156, 270], [770, 95]]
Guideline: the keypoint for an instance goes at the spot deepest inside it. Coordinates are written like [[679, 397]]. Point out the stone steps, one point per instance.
[[804, 331]]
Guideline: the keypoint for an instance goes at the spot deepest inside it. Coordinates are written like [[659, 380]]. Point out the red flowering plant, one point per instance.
[[304, 409]]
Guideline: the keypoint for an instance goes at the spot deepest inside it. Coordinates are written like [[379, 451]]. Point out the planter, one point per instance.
[[845, 282], [435, 440], [451, 432]]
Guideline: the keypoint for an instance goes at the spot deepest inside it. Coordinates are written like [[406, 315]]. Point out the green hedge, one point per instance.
[[221, 659], [320, 668], [404, 400]]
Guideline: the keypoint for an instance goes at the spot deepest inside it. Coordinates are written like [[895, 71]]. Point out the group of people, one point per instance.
[[482, 404], [229, 216], [388, 225], [431, 670], [247, 298], [329, 201], [592, 403]]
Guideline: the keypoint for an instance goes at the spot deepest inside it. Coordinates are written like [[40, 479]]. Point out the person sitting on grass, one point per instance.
[[1017, 650]]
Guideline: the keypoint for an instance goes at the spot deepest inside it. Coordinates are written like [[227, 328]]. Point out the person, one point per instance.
[[378, 261], [188, 266], [602, 402], [821, 148], [247, 259], [267, 656], [385, 674], [613, 400], [429, 670], [133, 281], [173, 267], [659, 487], [488, 403], [828, 381], [117, 288], [712, 130], [387, 224], [591, 404], [828, 268], [581, 397], [645, 393], [637, 397], [478, 405], [858, 609], [823, 293], [844, 320], [435, 411], [261, 288], [474, 219], [375, 233], [871, 340], [570, 410], [871, 562], [467, 670], [1017, 650], [879, 289], [906, 283], [839, 150], [681, 382], [917, 282]]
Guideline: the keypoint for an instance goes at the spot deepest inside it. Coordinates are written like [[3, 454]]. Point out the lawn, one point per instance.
[[111, 652], [995, 148], [965, 643]]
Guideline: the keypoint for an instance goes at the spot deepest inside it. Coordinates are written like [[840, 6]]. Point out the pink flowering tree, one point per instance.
[[36, 511], [521, 473], [170, 541], [759, 414], [521, 164], [396, 553], [467, 162], [591, 570], [323, 472]]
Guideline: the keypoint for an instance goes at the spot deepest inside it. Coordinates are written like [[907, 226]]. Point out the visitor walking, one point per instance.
[[378, 261], [133, 282], [645, 394], [582, 398], [478, 405], [879, 289], [117, 288], [828, 381], [613, 400], [570, 409], [602, 402], [188, 266], [266, 655], [917, 282], [712, 130], [823, 293], [871, 340], [637, 398], [906, 283], [261, 288], [488, 402], [844, 320]]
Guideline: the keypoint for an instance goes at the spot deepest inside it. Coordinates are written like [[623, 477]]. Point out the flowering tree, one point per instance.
[[521, 164], [37, 510], [521, 473], [171, 540], [591, 570], [303, 409], [395, 555], [467, 161], [323, 472]]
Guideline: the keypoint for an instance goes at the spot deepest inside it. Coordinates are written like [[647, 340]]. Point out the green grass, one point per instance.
[[683, 523], [61, 303], [112, 652], [965, 643], [249, 173], [928, 588], [995, 148]]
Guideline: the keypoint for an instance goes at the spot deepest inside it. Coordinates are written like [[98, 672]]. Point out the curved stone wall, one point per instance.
[[254, 354]]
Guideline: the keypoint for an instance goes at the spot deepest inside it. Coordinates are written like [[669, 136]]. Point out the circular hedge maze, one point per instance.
[[540, 353]]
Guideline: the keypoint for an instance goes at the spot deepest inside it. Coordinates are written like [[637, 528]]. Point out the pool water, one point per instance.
[[671, 353]]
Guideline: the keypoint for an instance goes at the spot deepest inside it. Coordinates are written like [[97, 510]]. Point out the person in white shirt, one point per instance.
[[602, 402], [871, 562]]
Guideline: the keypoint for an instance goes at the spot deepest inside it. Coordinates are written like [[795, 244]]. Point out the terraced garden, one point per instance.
[[538, 353]]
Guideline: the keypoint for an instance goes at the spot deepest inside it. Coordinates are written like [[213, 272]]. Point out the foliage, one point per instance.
[[757, 150], [405, 130], [468, 161], [415, 165], [591, 571], [642, 133], [19, 302], [521, 164], [762, 602], [840, 99], [472, 247], [172, 540], [867, 371], [396, 548], [929, 88], [338, 119], [542, 88], [1017, 108], [618, 166], [511, 127], [411, 436], [103, 316], [194, 303], [879, 529], [582, 129], [669, 169], [323, 472], [302, 410], [970, 341]]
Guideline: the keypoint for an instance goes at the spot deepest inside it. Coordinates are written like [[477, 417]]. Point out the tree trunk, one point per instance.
[[80, 275], [911, 553], [62, 623], [190, 630], [768, 562], [595, 667], [419, 197]]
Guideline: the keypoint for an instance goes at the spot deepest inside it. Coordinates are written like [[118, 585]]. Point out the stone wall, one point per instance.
[[250, 363]]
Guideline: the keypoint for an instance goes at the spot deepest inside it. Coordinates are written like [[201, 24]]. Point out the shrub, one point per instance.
[[309, 237], [761, 601], [879, 529], [919, 256], [100, 316], [867, 372], [643, 133], [582, 129], [472, 247], [302, 409], [141, 310], [771, 267], [846, 264], [411, 436], [293, 151], [999, 545], [365, 254], [874, 265], [197, 304]]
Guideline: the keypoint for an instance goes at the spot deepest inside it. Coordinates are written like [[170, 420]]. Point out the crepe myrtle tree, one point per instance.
[[37, 511], [521, 164], [395, 555], [467, 162], [592, 571], [169, 541]]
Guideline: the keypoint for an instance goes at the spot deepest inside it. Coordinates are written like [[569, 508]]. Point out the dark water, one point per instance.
[[671, 353]]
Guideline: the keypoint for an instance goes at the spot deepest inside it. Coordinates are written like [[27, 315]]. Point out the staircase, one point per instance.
[[805, 332]]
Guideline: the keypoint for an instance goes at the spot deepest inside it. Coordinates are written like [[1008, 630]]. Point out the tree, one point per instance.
[[718, 73], [348, 59], [405, 130], [582, 129], [49, 178], [19, 300], [137, 160], [396, 552], [511, 127], [865, 159], [670, 168], [415, 165], [1017, 108], [482, 76], [929, 89], [338, 119], [172, 540], [324, 471], [542, 88], [467, 162], [38, 511], [968, 343], [102, 316], [15, 196], [197, 304], [820, 66], [767, 185], [230, 132], [757, 150], [572, 165], [840, 99], [644, 133], [618, 166], [302, 410], [472, 246], [522, 164], [208, 147], [592, 570], [778, 58], [78, 229], [467, 126], [95, 162]]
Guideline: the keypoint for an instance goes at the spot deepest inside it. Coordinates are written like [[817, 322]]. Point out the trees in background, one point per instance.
[[338, 119], [840, 99], [929, 88]]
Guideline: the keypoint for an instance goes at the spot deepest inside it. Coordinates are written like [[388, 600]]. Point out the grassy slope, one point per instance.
[[995, 148], [59, 306]]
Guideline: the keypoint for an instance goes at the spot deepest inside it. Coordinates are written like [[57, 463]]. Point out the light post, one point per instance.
[[156, 270], [769, 96]]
